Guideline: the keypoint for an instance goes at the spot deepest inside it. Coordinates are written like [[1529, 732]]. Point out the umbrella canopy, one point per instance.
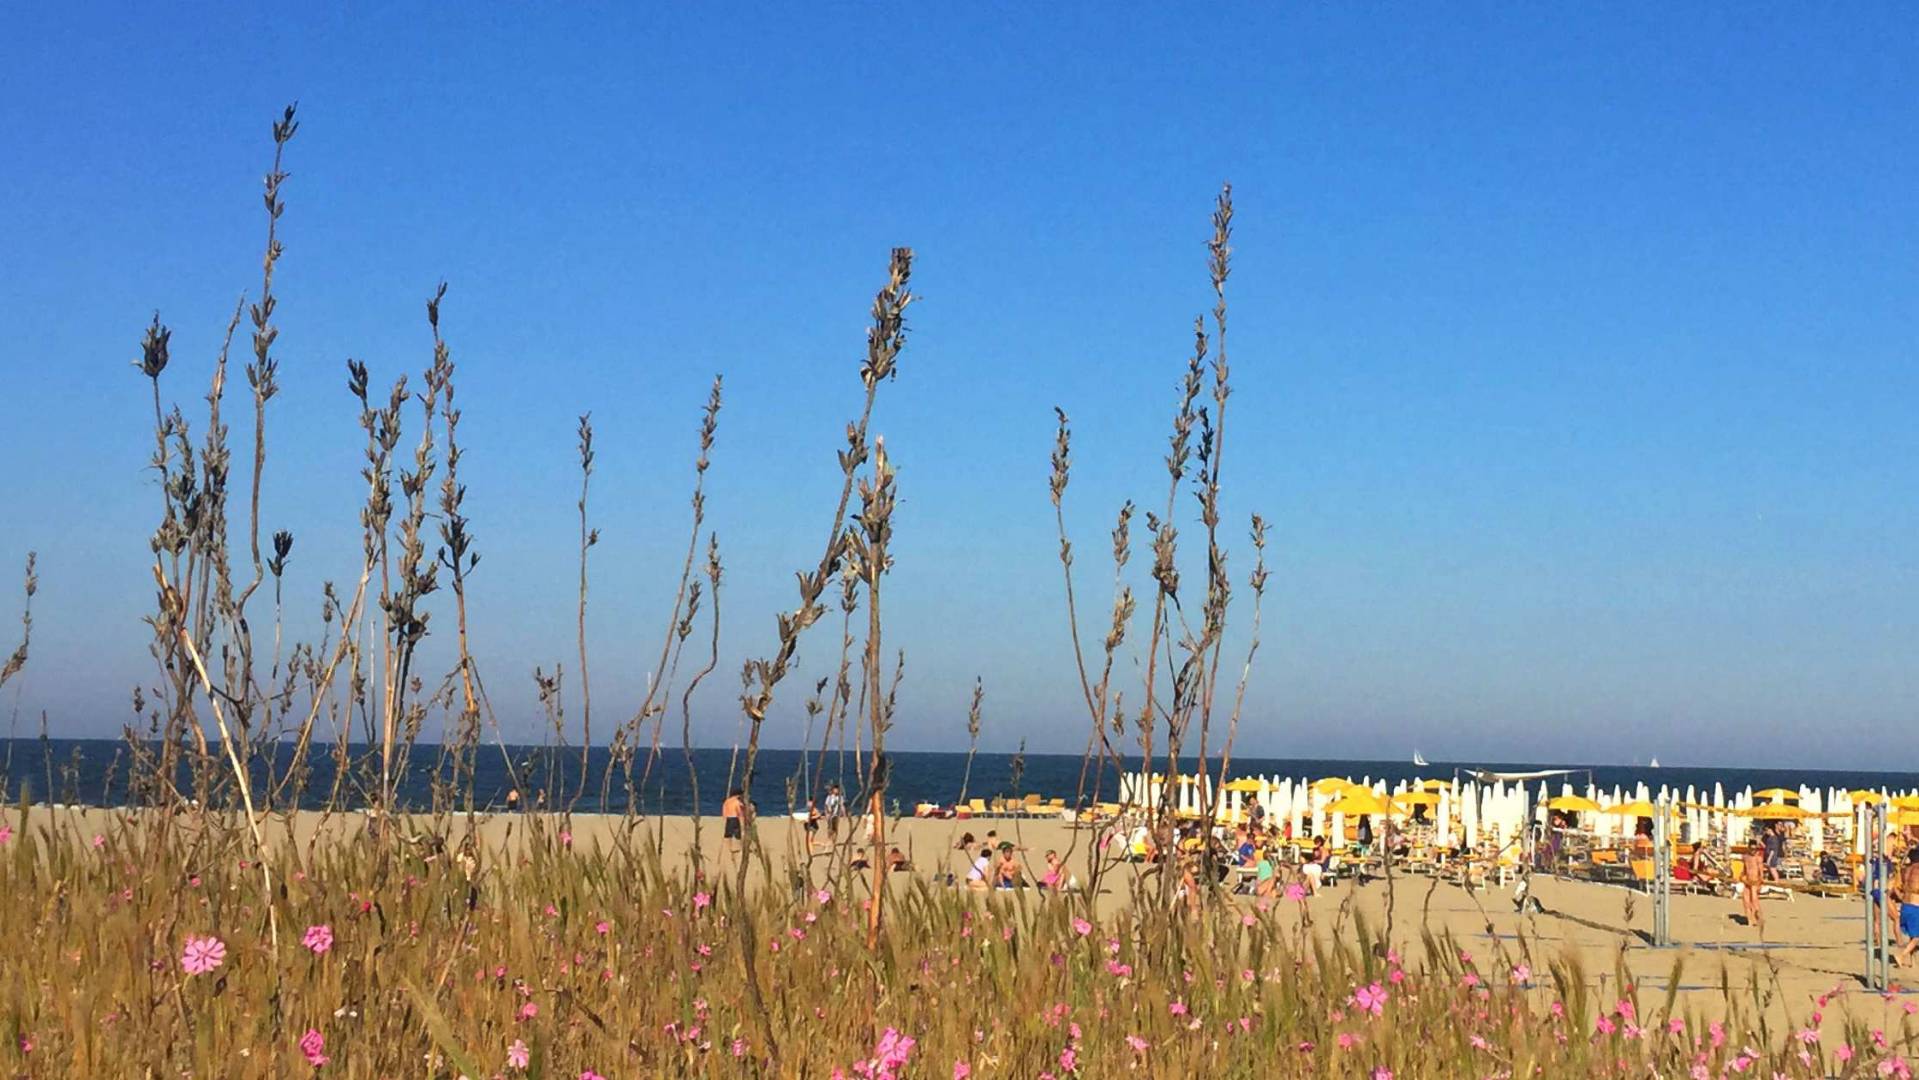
[[1903, 818], [1359, 802], [1907, 802], [1578, 804], [1246, 785], [1332, 785], [1777, 812], [1417, 798], [1635, 808], [1864, 796], [1435, 785], [1777, 794]]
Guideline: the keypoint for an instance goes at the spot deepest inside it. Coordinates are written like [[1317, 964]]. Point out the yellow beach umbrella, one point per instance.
[[1863, 796], [1359, 802], [1903, 818], [1577, 804], [1636, 808], [1776, 794], [1332, 785], [1435, 785], [1907, 802], [1416, 798], [1777, 812], [1246, 785]]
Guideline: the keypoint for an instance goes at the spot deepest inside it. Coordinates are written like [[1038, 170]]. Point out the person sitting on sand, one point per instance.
[[1315, 866], [1265, 873], [976, 878], [965, 843], [896, 861], [1054, 879], [1007, 870]]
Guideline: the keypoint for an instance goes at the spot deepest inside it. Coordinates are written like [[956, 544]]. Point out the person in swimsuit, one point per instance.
[[1752, 874], [1907, 893], [1054, 879], [733, 811]]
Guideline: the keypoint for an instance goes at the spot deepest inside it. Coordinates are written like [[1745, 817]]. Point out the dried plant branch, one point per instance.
[[588, 538]]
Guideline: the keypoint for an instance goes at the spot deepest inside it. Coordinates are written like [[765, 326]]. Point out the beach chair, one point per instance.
[[977, 807], [1032, 806]]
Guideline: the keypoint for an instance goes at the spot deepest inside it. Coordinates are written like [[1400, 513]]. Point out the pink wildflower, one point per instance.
[[313, 1045], [318, 939], [202, 955], [1522, 974], [1138, 1044], [1082, 927], [961, 1070], [1382, 1073], [700, 900], [1371, 998], [517, 1056]]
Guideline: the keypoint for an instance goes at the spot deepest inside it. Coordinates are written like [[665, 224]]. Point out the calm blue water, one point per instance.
[[94, 772]]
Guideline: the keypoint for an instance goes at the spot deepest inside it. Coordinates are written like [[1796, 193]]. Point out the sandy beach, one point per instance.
[[1811, 945]]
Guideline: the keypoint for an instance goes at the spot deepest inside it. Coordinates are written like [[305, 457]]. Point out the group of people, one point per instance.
[[995, 864]]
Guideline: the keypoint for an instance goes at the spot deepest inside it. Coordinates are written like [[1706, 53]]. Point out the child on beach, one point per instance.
[[1054, 879], [1752, 876]]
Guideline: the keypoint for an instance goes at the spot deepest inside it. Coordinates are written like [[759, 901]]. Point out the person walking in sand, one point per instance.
[[1752, 876], [835, 810]]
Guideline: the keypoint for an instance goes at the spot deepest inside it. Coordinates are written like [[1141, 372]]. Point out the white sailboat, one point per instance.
[[1653, 764], [1419, 759]]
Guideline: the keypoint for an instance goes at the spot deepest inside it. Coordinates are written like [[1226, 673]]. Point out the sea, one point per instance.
[[93, 772]]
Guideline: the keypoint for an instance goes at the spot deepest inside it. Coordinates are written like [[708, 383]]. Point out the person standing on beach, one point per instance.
[[1907, 893], [733, 812], [1752, 874], [835, 810]]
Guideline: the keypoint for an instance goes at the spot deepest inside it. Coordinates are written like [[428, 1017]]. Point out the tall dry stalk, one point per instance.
[[679, 620], [588, 538], [1191, 655], [867, 549], [17, 660], [760, 677], [972, 736]]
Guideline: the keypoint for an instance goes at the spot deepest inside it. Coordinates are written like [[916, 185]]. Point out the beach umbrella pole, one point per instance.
[[1878, 948], [1662, 876]]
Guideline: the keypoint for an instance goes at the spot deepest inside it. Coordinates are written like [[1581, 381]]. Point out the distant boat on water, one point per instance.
[[1653, 764], [1420, 760]]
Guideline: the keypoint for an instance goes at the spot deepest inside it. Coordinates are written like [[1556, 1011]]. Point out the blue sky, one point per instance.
[[1574, 348]]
